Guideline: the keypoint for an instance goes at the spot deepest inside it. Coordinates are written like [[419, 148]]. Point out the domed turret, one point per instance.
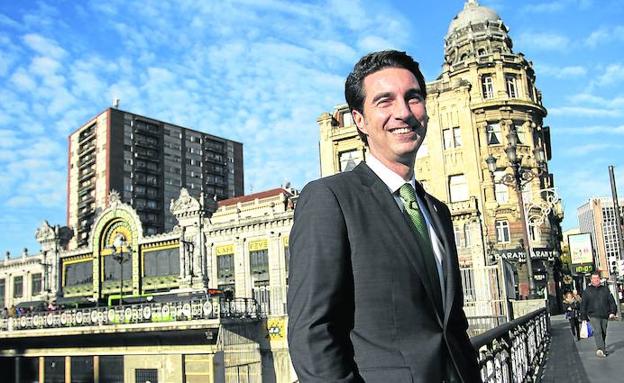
[[472, 13], [475, 31]]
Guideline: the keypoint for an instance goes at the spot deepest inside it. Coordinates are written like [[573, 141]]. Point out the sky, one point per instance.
[[261, 71]]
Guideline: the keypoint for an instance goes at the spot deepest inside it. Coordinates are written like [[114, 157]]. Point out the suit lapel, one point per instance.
[[403, 229], [448, 269]]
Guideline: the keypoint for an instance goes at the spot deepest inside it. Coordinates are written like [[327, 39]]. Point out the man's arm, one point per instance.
[[612, 305], [584, 306], [320, 292]]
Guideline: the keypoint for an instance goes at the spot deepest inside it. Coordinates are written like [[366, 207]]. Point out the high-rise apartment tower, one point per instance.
[[146, 161]]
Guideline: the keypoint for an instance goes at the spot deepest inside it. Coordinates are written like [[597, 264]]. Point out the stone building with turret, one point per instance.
[[484, 102]]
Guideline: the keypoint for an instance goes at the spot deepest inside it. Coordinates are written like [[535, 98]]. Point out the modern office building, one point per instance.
[[147, 161], [482, 106], [597, 217]]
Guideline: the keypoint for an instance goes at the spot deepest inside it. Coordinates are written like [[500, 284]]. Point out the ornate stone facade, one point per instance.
[[484, 92]]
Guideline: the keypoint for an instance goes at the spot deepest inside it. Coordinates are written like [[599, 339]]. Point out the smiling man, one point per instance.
[[374, 287]]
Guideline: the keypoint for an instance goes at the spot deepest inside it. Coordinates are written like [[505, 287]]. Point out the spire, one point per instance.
[[471, 3]]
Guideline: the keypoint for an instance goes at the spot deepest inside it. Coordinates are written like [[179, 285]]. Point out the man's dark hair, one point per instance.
[[596, 272], [371, 63]]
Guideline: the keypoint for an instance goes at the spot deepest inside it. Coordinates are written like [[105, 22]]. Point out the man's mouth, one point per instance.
[[401, 130]]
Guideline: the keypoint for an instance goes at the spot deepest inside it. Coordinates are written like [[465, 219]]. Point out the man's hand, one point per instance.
[[611, 316]]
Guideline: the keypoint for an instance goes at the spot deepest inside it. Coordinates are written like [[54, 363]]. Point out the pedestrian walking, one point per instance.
[[571, 304], [598, 306]]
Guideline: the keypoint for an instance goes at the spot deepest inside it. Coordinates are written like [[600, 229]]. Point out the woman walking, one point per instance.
[[571, 306]]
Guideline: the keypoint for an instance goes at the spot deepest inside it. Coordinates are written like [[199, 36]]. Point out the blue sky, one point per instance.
[[261, 72]]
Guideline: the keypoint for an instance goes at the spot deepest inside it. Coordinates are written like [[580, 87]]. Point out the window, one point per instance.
[[481, 52], [347, 119], [225, 266], [500, 191], [35, 284], [493, 132], [534, 231], [349, 159], [423, 151], [467, 234], [18, 287], [447, 138], [502, 231], [286, 259], [458, 188], [262, 294], [510, 82], [487, 85], [2, 292], [452, 138], [162, 262], [259, 261], [459, 236], [521, 132], [79, 273], [457, 137]]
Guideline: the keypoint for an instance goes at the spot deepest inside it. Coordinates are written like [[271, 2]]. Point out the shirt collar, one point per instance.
[[392, 180]]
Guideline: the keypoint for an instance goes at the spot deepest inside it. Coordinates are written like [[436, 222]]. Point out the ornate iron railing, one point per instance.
[[514, 351], [156, 312]]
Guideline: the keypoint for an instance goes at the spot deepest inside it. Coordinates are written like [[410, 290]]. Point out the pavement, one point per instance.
[[573, 361]]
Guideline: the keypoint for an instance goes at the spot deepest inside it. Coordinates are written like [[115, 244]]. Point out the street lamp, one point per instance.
[[517, 180], [118, 255]]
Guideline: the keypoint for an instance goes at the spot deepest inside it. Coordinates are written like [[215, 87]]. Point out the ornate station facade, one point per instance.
[[204, 302]]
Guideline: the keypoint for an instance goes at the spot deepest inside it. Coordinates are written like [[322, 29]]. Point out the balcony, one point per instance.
[[130, 317], [87, 134], [84, 149], [469, 206], [87, 160]]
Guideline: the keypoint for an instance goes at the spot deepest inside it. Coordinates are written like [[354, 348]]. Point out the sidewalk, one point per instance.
[[572, 361]]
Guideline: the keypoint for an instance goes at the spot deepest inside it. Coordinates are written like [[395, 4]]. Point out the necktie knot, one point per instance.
[[408, 195]]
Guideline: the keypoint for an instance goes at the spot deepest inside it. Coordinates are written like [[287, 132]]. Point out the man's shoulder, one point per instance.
[[335, 182]]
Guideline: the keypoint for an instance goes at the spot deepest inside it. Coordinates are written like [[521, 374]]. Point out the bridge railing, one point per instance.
[[514, 351], [148, 312]]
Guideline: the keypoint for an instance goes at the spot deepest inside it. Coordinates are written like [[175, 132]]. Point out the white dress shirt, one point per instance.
[[394, 182]]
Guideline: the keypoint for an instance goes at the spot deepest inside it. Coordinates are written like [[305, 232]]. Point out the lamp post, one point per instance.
[[517, 180], [118, 255]]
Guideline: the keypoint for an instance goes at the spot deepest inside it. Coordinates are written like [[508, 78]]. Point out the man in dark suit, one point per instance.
[[374, 286]]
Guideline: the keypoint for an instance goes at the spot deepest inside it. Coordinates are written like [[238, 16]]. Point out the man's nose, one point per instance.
[[402, 110]]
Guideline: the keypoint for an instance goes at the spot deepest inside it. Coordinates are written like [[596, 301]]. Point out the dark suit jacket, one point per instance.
[[360, 302]]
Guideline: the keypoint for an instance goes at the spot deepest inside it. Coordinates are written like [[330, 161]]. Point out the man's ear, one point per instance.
[[358, 119]]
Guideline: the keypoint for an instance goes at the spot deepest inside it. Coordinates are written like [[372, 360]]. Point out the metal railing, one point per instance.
[[156, 312], [514, 351]]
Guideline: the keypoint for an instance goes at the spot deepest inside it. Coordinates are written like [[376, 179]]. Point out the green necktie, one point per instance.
[[408, 196]]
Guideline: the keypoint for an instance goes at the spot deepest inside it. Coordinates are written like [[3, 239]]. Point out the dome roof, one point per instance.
[[472, 13]]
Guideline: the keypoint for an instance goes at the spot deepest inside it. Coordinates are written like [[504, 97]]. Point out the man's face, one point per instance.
[[595, 280], [394, 116]]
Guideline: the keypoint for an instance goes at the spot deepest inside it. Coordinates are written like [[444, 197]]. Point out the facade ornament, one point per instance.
[[45, 232], [114, 198], [185, 205]]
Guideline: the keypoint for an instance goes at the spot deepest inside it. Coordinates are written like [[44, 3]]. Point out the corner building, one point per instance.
[[485, 91], [147, 161], [597, 216]]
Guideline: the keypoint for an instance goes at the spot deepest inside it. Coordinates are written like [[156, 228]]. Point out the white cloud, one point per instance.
[[23, 81], [542, 41], [612, 74], [44, 46], [564, 72], [605, 35], [587, 148], [584, 111]]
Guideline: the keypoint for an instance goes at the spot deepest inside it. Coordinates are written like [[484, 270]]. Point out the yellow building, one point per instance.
[[484, 93]]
